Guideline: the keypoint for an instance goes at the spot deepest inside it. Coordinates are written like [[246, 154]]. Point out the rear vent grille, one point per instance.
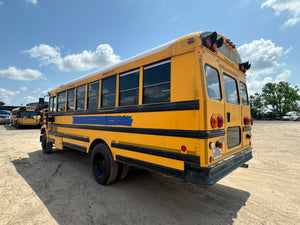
[[233, 137]]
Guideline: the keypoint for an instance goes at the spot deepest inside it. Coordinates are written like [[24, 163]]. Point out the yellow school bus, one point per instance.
[[25, 116], [180, 109]]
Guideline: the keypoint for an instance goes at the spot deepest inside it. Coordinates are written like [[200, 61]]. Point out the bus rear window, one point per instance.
[[244, 95], [213, 83], [231, 90]]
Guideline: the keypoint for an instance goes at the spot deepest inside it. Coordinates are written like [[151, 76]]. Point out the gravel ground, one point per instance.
[[59, 188]]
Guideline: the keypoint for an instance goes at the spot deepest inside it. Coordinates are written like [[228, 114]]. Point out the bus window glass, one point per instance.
[[61, 101], [244, 95], [54, 104], [71, 96], [231, 90], [213, 83], [156, 82], [93, 95], [108, 92], [51, 106], [80, 98], [129, 88]]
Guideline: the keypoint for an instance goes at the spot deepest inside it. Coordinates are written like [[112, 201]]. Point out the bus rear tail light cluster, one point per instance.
[[216, 121], [209, 40], [247, 120]]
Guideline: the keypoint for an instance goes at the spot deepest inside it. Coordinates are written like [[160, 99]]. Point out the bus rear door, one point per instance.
[[233, 113]]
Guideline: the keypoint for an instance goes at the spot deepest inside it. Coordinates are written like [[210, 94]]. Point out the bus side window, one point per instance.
[[51, 106], [61, 101], [80, 98], [108, 92], [70, 102], [231, 90], [244, 94], [129, 88], [156, 82], [93, 95], [213, 83]]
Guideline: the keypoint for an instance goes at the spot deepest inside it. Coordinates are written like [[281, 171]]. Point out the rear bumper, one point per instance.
[[212, 174]]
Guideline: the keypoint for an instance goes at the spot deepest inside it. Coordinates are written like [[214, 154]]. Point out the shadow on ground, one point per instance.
[[63, 181]]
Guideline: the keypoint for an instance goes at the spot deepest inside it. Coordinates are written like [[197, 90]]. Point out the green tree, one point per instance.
[[280, 97], [2, 103], [257, 106]]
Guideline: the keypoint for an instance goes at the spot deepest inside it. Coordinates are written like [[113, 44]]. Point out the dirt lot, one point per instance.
[[59, 188]]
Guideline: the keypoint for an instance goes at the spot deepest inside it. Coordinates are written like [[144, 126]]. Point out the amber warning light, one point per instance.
[[209, 40]]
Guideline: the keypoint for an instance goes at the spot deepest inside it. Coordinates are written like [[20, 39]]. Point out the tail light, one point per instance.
[[214, 121], [247, 120], [220, 121]]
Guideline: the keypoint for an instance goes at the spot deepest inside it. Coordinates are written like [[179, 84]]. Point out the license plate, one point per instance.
[[217, 152]]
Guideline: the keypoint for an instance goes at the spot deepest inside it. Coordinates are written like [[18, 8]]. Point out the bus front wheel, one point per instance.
[[104, 168], [46, 146]]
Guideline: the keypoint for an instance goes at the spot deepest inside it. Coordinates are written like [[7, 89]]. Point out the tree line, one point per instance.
[[275, 100]]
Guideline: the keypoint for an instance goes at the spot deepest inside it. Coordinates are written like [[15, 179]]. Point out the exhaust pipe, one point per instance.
[[244, 165]]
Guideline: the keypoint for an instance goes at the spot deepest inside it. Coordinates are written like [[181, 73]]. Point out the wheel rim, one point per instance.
[[99, 165]]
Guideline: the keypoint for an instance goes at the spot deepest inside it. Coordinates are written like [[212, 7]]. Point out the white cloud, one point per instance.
[[45, 53], [264, 57], [291, 6], [16, 74], [23, 88], [283, 76], [101, 57], [6, 96], [34, 2], [262, 54], [30, 99]]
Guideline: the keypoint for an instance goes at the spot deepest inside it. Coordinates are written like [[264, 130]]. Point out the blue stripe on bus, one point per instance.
[[104, 120]]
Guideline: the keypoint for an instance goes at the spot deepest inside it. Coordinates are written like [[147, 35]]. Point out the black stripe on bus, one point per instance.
[[247, 128], [70, 136], [161, 132], [154, 167], [51, 140], [166, 154], [170, 106], [76, 147]]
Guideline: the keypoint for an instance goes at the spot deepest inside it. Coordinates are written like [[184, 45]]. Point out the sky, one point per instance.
[[46, 43]]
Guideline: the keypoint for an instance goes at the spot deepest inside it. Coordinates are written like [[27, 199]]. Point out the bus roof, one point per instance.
[[123, 62], [137, 57]]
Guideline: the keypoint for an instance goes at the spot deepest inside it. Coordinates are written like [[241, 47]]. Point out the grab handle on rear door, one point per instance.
[[228, 117]]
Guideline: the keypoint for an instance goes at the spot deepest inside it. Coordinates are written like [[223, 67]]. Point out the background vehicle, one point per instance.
[[180, 109], [293, 115], [25, 116], [4, 119]]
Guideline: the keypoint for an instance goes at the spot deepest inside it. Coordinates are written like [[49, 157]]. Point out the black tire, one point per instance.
[[123, 171], [46, 146], [105, 169]]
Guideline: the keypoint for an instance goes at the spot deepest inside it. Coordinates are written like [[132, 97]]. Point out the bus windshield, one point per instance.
[[28, 114]]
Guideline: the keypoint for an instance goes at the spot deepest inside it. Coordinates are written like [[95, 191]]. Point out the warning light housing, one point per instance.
[[209, 40]]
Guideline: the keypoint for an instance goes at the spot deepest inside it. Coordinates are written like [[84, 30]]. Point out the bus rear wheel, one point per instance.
[[104, 168], [46, 146]]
